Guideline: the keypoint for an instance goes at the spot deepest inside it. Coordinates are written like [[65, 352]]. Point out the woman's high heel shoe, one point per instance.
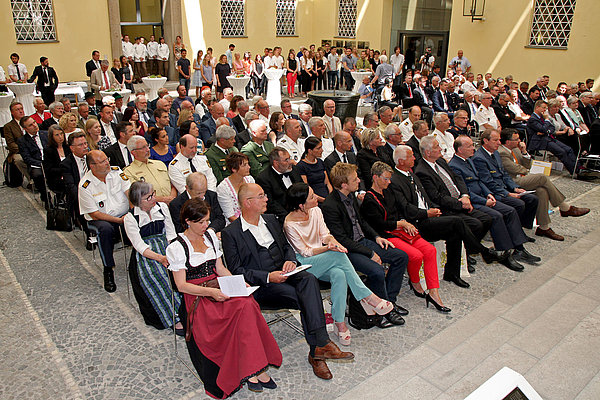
[[418, 294], [343, 337], [382, 308], [440, 308]]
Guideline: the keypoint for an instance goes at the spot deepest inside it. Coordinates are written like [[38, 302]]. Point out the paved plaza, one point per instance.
[[64, 337]]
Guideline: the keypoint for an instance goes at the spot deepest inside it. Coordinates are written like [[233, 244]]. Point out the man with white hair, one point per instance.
[[332, 123], [384, 71], [238, 121], [243, 137], [141, 105], [393, 138], [56, 110], [262, 108], [259, 148], [163, 105], [317, 127], [226, 100], [209, 126], [187, 161], [102, 79], [305, 114], [291, 141], [202, 104], [217, 153], [445, 139], [151, 171], [40, 114]]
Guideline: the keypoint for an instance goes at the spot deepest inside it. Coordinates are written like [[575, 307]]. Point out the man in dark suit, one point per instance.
[[107, 127], [244, 136], [489, 167], [540, 132], [420, 130], [504, 114], [12, 133], [393, 138], [163, 105], [528, 104], [410, 196], [118, 153], [254, 245], [31, 147], [470, 107], [441, 102], [73, 167], [586, 109], [343, 151], [93, 64], [239, 121], [196, 187], [47, 80], [209, 126], [286, 109], [161, 118], [57, 110], [406, 90], [276, 179], [367, 250]]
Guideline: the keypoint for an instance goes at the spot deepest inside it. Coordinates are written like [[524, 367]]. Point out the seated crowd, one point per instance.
[[213, 188]]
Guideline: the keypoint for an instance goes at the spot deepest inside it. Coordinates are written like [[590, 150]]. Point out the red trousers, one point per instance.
[[421, 252], [291, 81]]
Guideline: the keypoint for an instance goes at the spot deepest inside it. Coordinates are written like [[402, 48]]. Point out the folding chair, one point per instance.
[[587, 159], [283, 318]]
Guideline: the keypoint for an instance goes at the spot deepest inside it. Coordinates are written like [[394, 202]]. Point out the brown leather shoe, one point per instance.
[[320, 368], [574, 212], [549, 233], [331, 352]]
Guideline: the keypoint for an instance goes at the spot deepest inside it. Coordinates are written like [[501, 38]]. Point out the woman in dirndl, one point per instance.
[[149, 228], [229, 341]]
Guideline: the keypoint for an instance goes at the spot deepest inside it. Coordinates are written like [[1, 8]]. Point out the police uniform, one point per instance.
[[181, 167], [406, 129], [107, 197], [216, 159], [258, 156], [296, 149], [486, 115], [446, 141], [153, 172]]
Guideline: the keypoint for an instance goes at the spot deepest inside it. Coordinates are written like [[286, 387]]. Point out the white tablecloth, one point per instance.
[[238, 84], [124, 92], [4, 108], [358, 77], [76, 89], [274, 86], [154, 84], [24, 95]]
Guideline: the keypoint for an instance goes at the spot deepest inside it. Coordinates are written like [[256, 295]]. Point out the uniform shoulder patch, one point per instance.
[[114, 168], [123, 176], [174, 161], [86, 184]]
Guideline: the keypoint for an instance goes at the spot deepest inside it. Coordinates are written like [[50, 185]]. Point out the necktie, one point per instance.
[[18, 72], [226, 152], [192, 165], [106, 80], [409, 91], [129, 160], [47, 77], [449, 184], [417, 191], [85, 168], [344, 158]]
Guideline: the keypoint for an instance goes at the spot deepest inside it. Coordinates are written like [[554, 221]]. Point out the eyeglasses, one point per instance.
[[141, 148], [106, 160], [260, 196], [148, 198]]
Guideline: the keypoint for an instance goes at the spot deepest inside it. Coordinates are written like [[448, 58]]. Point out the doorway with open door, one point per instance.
[[413, 45]]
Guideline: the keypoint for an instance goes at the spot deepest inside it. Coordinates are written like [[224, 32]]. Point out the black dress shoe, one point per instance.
[[525, 256], [269, 385], [255, 387], [490, 255], [457, 281], [394, 318], [530, 239], [511, 263], [109, 280], [471, 260], [400, 310]]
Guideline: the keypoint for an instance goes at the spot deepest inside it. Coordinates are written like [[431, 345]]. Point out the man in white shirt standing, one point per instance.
[[397, 60], [17, 71], [460, 61], [152, 50], [139, 60], [276, 58], [127, 48]]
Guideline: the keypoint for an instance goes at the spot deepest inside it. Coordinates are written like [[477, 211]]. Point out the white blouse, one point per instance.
[[176, 252], [228, 199], [132, 227]]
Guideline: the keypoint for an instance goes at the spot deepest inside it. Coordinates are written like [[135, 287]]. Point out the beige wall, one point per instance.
[[81, 26], [315, 20], [497, 45]]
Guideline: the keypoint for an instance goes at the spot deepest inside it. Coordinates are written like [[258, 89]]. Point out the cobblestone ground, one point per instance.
[[65, 337]]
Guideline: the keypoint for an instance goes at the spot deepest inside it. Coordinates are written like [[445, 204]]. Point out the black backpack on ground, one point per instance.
[[12, 175]]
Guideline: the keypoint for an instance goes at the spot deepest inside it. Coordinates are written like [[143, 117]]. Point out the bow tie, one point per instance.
[[286, 174]]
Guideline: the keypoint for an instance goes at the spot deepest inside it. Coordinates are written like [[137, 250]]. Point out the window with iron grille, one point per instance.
[[233, 18], [34, 20], [285, 17], [551, 24], [347, 18]]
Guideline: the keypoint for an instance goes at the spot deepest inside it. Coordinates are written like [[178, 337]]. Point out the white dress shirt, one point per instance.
[[127, 49], [406, 129], [421, 200], [260, 232], [81, 165], [446, 141], [109, 132], [180, 168], [107, 197], [177, 256], [486, 115], [12, 70], [294, 148], [163, 51], [132, 227], [125, 153]]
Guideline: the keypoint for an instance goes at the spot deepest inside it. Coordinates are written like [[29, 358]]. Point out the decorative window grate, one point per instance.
[[34, 20], [233, 18], [551, 25], [285, 19], [347, 18]]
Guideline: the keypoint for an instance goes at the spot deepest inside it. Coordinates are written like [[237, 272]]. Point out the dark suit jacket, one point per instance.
[[413, 143], [405, 93], [207, 129], [504, 115], [365, 159], [272, 184], [492, 173], [238, 124], [71, 178], [116, 157], [527, 105], [438, 102], [333, 159], [466, 170], [29, 150], [113, 126], [217, 219], [52, 168], [89, 67], [38, 73], [339, 224], [386, 154], [587, 113], [241, 251], [48, 123], [537, 124], [172, 121], [437, 190], [242, 138], [407, 199]]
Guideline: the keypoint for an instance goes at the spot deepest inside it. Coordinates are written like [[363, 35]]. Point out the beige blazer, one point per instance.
[[97, 81]]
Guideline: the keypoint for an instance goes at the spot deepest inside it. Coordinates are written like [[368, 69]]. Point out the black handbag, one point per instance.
[[58, 218], [12, 175]]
